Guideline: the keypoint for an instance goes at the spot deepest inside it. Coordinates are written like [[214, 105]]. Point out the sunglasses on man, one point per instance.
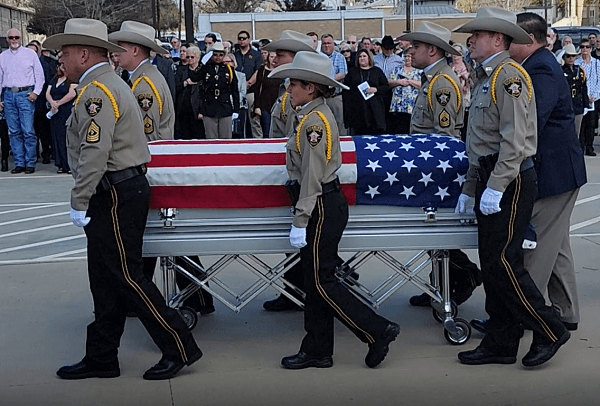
[[242, 38], [14, 37]]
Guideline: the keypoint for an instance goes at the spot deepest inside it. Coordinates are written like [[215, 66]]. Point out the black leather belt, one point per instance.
[[114, 178], [16, 89], [332, 186], [526, 164]]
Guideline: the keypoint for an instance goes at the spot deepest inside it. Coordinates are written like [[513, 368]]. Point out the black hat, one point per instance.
[[388, 42]]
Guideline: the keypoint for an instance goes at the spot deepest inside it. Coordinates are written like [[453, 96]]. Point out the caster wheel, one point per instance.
[[189, 316], [463, 334], [441, 316]]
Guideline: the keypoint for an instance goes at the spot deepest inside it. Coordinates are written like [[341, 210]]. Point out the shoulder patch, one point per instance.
[[513, 86], [93, 105], [148, 125], [145, 101], [443, 96], [93, 133], [314, 134], [444, 119]]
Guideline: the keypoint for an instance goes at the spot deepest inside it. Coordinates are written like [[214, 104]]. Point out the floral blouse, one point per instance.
[[403, 97]]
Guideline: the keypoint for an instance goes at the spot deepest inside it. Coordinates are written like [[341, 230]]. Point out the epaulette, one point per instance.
[[154, 90], [327, 133], [452, 82], [110, 96], [517, 67]]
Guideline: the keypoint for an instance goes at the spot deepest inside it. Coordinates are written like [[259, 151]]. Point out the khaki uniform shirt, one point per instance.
[[155, 101], [104, 132], [506, 125], [282, 117], [310, 166], [437, 108]]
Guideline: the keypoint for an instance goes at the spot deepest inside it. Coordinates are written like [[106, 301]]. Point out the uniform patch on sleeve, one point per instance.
[[93, 106], [513, 86], [93, 133], [145, 101], [443, 96], [314, 134], [148, 125], [444, 119]]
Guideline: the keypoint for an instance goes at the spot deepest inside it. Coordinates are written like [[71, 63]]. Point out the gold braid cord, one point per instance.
[[230, 73], [283, 100], [327, 134], [110, 96], [154, 90], [454, 85], [517, 67]]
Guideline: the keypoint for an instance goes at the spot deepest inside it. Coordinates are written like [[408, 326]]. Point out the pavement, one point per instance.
[[45, 305]]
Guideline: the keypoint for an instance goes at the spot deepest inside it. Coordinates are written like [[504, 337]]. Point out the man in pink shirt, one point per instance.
[[21, 81]]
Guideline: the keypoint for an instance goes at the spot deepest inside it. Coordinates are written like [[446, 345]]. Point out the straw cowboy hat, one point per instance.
[[217, 47], [434, 34], [308, 66], [570, 50], [137, 33], [291, 41], [83, 31], [496, 19]]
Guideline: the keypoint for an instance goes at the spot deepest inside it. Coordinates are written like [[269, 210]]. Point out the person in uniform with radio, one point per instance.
[[320, 216], [501, 185], [439, 109], [108, 153]]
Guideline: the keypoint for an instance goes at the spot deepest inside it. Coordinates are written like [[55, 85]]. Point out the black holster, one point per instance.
[[292, 187], [486, 167]]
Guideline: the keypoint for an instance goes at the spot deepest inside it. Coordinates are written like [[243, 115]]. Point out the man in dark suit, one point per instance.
[[560, 171]]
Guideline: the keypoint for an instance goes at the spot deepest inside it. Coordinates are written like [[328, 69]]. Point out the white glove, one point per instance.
[[465, 204], [490, 201], [78, 218], [234, 116], [298, 237]]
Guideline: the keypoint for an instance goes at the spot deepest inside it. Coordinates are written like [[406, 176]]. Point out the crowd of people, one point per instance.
[[503, 91]]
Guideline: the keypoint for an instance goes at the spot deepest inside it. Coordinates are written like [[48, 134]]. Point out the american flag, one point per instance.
[[251, 173]]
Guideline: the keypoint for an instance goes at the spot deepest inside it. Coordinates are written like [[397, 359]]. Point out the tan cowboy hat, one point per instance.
[[291, 41], [217, 47], [570, 50], [83, 31], [496, 19], [431, 33], [308, 66], [137, 33]]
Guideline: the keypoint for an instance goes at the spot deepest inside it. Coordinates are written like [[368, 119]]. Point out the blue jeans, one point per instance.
[[19, 111]]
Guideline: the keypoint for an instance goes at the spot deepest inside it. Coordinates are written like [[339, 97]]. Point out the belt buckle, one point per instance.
[[217, 92], [14, 89]]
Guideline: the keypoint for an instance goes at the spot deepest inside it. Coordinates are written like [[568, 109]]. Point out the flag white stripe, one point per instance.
[[229, 148]]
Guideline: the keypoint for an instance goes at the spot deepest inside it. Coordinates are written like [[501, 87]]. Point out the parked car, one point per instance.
[[576, 33]]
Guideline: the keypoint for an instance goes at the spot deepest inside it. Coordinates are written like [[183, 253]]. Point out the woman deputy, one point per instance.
[[321, 212]]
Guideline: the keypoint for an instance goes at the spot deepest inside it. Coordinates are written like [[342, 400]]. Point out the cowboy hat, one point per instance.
[[83, 31], [433, 34], [291, 41], [387, 42], [308, 66], [496, 19], [217, 47], [570, 50], [137, 33]]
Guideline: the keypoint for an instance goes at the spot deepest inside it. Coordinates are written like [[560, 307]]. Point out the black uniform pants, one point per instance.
[[4, 141], [588, 128], [511, 295], [326, 296], [117, 282], [41, 125]]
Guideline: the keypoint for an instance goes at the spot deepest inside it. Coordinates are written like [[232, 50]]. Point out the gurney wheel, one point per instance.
[[440, 317], [189, 316], [463, 334]]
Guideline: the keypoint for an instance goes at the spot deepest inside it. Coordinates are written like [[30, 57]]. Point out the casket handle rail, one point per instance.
[[430, 213], [168, 215]]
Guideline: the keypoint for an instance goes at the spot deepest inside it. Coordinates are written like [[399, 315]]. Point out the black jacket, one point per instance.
[[578, 85], [219, 92]]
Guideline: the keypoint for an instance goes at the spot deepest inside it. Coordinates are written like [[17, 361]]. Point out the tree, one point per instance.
[[228, 6], [302, 5], [50, 15]]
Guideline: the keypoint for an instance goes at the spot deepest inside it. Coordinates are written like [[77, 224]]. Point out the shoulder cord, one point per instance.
[[454, 85], [154, 90], [110, 96], [327, 134], [283, 100], [517, 67]]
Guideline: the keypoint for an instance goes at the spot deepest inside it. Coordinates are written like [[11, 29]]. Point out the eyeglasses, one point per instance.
[[14, 37], [219, 53], [242, 38], [346, 50], [190, 57], [585, 46], [352, 42]]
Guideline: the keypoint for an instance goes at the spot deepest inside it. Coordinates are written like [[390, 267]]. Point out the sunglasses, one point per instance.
[[586, 46], [242, 38], [219, 53], [352, 42], [190, 57], [346, 50], [14, 37]]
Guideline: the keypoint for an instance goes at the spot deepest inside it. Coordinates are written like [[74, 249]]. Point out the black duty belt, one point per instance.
[[332, 186], [114, 178], [16, 89]]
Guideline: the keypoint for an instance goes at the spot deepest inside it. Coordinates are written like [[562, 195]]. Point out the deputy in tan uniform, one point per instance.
[[149, 86], [439, 109], [285, 48], [282, 117], [108, 153], [320, 216], [501, 183]]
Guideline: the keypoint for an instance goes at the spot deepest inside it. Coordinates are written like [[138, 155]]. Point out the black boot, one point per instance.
[[4, 165]]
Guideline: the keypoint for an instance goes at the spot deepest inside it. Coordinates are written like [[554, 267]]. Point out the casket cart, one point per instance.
[[225, 198]]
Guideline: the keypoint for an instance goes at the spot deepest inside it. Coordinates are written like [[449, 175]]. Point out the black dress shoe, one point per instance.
[[303, 360], [589, 151], [18, 169], [540, 353], [379, 349], [422, 300], [481, 356], [4, 165], [281, 304], [86, 369], [570, 326], [167, 369], [29, 170]]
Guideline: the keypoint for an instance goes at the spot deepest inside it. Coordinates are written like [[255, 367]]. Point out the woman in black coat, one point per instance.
[[365, 116]]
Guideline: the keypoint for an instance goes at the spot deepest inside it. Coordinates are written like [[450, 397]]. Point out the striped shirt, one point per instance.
[[592, 72]]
